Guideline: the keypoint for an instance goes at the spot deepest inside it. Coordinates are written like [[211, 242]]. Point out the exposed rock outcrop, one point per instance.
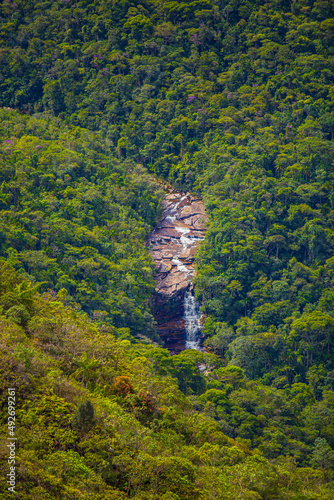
[[173, 245]]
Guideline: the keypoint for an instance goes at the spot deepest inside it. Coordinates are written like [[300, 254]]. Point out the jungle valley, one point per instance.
[[103, 103]]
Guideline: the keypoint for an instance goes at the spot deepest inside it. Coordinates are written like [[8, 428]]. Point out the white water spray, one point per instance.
[[192, 318]]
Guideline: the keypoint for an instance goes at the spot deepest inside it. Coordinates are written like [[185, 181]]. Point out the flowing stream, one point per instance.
[[173, 244], [192, 318]]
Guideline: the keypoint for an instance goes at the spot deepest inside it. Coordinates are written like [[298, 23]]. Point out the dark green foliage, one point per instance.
[[76, 219], [83, 419]]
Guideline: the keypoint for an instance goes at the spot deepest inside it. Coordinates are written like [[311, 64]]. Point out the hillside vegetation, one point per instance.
[[232, 101]]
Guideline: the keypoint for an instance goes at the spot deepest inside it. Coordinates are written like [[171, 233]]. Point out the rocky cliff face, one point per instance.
[[173, 245]]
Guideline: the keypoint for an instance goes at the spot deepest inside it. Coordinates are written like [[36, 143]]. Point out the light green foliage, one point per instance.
[[124, 429], [323, 455]]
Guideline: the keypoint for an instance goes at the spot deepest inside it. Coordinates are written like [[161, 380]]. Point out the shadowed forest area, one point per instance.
[[101, 103]]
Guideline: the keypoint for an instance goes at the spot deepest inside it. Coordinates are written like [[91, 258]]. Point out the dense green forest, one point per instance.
[[74, 217], [100, 102], [102, 416]]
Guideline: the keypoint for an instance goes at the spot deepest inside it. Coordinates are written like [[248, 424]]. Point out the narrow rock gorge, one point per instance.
[[173, 245]]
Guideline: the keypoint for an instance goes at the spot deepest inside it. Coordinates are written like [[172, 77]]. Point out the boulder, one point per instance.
[[169, 232], [188, 254], [196, 208], [196, 221]]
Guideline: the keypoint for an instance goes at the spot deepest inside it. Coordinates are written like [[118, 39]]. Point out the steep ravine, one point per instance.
[[173, 245]]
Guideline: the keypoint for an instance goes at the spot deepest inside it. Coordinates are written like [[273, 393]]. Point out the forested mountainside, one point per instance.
[[74, 217], [233, 101]]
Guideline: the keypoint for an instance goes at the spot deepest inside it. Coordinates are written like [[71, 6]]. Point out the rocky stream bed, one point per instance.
[[173, 245]]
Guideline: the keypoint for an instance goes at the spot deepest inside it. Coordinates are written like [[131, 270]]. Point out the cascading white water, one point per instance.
[[192, 318], [173, 243]]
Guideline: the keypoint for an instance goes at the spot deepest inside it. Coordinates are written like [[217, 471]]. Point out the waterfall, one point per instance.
[[173, 244], [192, 318]]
